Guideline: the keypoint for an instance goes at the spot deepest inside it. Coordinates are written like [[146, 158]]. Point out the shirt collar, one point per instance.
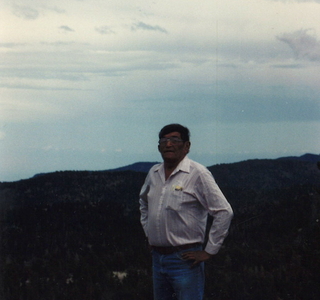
[[183, 166]]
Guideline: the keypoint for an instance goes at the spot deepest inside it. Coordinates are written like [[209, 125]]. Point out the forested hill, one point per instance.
[[267, 174], [64, 235]]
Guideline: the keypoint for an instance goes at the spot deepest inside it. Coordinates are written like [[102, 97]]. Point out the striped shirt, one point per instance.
[[174, 211]]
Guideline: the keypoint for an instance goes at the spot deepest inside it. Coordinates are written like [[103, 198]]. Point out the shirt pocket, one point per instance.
[[180, 199]]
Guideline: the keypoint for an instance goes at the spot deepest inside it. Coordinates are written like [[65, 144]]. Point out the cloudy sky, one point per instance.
[[88, 84]]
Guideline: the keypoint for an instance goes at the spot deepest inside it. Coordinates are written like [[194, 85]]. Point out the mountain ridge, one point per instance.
[[145, 166], [64, 234]]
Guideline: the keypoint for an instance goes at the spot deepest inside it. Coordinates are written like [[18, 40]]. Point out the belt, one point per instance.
[[173, 249]]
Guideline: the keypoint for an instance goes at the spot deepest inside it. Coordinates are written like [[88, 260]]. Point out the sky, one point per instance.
[[88, 84]]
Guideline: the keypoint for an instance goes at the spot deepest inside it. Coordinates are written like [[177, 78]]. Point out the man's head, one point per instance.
[[174, 143], [184, 131]]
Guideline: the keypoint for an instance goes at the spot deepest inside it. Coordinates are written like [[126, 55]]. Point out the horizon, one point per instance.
[[155, 161], [89, 84]]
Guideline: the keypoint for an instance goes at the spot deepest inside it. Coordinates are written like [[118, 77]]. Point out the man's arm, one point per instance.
[[143, 201], [217, 206]]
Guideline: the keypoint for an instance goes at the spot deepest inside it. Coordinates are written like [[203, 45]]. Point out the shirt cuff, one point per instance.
[[212, 249]]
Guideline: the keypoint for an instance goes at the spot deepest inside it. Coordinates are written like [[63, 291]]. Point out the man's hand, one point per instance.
[[197, 256]]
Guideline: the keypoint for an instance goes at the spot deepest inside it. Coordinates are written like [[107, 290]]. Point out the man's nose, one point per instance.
[[167, 143]]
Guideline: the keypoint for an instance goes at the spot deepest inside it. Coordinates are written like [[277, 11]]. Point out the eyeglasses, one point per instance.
[[172, 140]]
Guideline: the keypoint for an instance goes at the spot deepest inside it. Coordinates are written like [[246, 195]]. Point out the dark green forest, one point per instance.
[[76, 235]]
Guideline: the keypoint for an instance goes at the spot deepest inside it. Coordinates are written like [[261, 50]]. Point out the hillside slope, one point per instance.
[[64, 234]]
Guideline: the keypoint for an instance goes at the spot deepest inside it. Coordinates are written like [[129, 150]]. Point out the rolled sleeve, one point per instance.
[[219, 208], [143, 202]]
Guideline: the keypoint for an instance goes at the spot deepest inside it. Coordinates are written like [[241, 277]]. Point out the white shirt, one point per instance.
[[174, 211]]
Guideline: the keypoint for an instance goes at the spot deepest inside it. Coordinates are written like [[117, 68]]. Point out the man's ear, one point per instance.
[[187, 146], [159, 148]]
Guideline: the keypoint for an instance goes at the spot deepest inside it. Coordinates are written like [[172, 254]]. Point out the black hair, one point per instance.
[[184, 131]]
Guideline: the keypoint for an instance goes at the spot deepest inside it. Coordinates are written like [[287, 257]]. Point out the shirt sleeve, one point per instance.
[[143, 201], [213, 200]]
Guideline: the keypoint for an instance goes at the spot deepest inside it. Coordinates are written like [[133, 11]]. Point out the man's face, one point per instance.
[[172, 151]]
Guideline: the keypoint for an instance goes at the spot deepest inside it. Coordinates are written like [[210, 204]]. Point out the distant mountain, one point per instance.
[[306, 157], [64, 235], [137, 167], [145, 166], [267, 174]]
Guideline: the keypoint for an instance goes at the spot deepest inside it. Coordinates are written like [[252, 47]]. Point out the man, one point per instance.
[[174, 202]]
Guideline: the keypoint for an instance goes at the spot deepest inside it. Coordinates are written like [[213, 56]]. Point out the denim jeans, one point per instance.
[[175, 279]]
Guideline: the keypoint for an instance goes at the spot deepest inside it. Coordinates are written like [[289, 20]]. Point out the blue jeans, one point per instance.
[[175, 279]]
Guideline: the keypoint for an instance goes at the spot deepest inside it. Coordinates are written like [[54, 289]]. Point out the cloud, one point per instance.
[[25, 12], [37, 87], [66, 28], [104, 30], [29, 12], [144, 26], [288, 66], [2, 135], [59, 44], [55, 9], [10, 45], [316, 1], [304, 45]]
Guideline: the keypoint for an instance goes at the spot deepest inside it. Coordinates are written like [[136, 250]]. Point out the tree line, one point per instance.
[[65, 234]]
